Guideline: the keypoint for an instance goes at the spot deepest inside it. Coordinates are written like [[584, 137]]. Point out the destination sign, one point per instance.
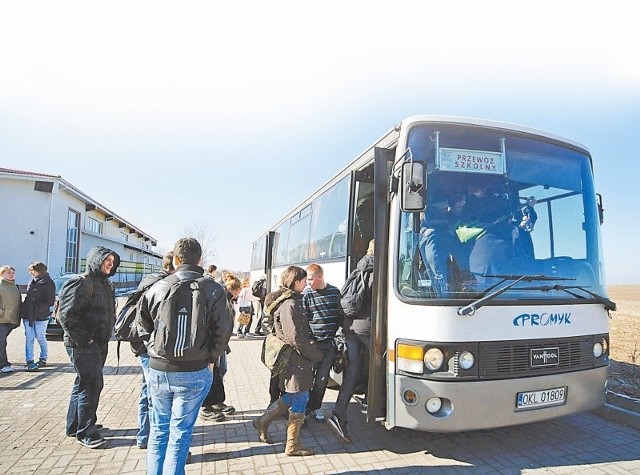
[[470, 161]]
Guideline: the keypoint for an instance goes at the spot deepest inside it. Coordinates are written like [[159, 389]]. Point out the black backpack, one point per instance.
[[180, 328], [125, 327], [258, 289], [354, 294]]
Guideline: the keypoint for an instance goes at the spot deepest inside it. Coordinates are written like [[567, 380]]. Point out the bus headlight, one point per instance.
[[433, 359], [409, 358], [466, 360], [605, 345], [597, 350]]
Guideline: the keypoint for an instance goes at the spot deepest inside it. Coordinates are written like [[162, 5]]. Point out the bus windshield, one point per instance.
[[499, 205]]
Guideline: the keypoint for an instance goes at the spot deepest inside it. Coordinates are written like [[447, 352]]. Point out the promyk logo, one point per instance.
[[542, 319]]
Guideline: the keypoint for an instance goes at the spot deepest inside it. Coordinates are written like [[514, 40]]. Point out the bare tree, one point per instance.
[[206, 235]]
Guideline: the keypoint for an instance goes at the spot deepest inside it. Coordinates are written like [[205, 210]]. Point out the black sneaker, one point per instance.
[[225, 409], [209, 414], [92, 442], [339, 428], [41, 363]]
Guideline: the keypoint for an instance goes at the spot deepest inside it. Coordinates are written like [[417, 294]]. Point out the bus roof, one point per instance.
[[493, 124]]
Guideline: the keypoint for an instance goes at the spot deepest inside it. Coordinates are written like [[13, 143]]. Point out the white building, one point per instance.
[[45, 218]]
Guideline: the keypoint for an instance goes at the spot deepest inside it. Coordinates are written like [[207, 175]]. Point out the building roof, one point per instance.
[[90, 202]]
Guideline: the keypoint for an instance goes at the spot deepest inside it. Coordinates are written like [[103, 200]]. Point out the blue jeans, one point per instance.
[[355, 344], [37, 331], [177, 398], [297, 402], [85, 394], [144, 403]]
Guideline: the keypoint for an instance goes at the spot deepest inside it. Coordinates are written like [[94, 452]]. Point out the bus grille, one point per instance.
[[512, 359]]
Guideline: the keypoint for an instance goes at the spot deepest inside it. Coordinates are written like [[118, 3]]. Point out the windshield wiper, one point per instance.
[[476, 304], [608, 304]]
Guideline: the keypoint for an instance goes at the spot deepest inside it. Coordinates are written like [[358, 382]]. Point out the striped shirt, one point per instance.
[[323, 310]]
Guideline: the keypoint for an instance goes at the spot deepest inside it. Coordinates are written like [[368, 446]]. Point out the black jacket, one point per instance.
[[362, 326], [87, 309], [219, 323], [41, 295]]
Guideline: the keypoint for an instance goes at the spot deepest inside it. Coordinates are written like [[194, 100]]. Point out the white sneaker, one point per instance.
[[7, 369], [318, 415]]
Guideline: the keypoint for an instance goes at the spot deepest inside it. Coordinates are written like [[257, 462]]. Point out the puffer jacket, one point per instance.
[[10, 300], [41, 295], [362, 326], [292, 327], [219, 323], [87, 308]]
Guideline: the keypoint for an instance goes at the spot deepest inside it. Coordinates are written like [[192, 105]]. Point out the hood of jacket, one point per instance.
[[275, 299], [366, 263], [96, 257]]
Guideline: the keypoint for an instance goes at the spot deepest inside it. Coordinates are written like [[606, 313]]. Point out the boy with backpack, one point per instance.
[[126, 330], [185, 322]]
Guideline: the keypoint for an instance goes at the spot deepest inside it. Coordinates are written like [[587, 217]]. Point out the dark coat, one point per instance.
[[291, 326], [41, 295], [362, 326], [87, 309]]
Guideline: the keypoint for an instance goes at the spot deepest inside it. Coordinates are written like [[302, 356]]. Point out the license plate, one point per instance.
[[544, 398]]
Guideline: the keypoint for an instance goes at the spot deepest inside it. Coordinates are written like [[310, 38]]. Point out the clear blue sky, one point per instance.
[[173, 113]]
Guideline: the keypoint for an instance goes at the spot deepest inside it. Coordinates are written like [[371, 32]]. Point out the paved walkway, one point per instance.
[[32, 440]]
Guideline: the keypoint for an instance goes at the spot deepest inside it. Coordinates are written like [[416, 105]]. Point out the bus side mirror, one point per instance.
[[413, 187], [600, 208]]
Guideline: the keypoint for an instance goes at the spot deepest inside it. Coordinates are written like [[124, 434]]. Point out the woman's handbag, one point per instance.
[[276, 354], [244, 318]]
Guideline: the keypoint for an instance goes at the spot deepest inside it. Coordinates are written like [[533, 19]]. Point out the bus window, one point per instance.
[[298, 243], [329, 223], [280, 244], [259, 254]]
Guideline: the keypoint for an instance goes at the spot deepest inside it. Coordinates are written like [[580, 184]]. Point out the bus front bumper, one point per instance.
[[477, 405]]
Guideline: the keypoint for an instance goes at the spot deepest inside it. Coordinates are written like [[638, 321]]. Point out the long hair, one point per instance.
[[291, 275]]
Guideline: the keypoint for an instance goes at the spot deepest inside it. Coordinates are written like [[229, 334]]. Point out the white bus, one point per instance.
[[489, 297]]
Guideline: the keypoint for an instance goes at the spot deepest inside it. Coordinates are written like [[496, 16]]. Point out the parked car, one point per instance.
[[54, 328]]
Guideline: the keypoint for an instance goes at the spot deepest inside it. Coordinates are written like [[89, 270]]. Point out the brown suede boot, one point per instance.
[[294, 447], [261, 424]]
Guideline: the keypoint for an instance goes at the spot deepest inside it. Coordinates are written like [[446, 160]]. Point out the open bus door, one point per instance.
[[377, 386]]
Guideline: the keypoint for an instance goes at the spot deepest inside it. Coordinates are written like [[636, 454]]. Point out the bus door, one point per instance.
[[360, 216], [377, 384], [270, 239]]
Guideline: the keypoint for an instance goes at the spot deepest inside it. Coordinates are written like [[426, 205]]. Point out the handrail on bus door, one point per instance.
[[377, 385]]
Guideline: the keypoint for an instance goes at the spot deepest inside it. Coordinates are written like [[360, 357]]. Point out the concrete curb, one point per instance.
[[622, 409]]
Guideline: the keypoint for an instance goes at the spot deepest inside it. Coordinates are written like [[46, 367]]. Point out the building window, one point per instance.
[[124, 236], [94, 225], [73, 242]]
